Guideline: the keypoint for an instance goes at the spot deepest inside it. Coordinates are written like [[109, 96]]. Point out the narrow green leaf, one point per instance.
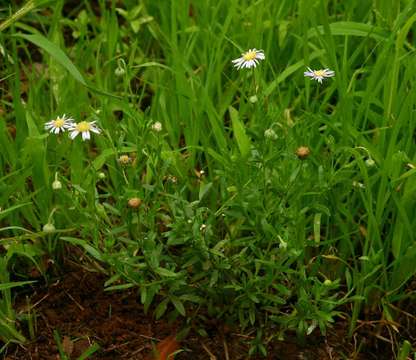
[[178, 305], [161, 308], [165, 272], [351, 28], [56, 52], [119, 287], [241, 137], [87, 353], [317, 228], [10, 285]]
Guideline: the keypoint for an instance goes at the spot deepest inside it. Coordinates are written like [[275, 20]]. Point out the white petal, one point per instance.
[[237, 60], [95, 129], [73, 134]]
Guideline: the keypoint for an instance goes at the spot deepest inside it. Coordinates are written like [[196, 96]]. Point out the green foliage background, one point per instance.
[[232, 224]]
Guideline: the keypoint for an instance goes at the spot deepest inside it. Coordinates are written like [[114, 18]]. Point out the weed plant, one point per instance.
[[257, 196]]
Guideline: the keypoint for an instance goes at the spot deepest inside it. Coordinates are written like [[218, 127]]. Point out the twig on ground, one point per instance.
[[211, 355], [75, 302]]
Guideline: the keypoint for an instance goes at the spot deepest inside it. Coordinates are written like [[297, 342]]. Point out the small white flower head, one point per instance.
[[270, 134], [157, 126], [319, 74], [124, 160], [60, 124], [84, 128], [249, 59]]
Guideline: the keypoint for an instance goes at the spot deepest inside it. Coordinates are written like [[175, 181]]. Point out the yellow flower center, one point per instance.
[[320, 73], [58, 122], [250, 55], [83, 126]]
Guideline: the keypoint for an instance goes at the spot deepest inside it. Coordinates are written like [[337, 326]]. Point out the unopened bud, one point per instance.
[[270, 134], [370, 162], [157, 126], [253, 99], [119, 71], [57, 185], [134, 203], [302, 152], [48, 228]]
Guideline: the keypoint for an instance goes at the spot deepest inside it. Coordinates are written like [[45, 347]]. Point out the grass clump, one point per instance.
[[257, 195]]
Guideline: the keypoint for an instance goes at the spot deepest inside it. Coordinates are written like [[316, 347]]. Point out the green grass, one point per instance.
[[260, 237]]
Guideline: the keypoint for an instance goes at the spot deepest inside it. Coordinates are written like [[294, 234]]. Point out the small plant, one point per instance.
[[237, 189], [65, 348]]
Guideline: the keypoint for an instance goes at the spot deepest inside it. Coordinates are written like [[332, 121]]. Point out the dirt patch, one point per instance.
[[83, 313]]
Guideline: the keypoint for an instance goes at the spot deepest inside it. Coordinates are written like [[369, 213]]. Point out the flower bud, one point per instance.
[[302, 152], [253, 99], [157, 126], [48, 228], [134, 203], [101, 175], [119, 71], [56, 185], [370, 162], [270, 134], [124, 159]]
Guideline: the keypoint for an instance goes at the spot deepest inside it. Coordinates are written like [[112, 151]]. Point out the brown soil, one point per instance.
[[83, 313]]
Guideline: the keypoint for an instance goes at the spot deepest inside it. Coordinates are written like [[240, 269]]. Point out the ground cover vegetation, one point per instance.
[[270, 195]]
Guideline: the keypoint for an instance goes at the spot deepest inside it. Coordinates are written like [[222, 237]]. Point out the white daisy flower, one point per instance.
[[319, 74], [84, 127], [61, 123], [249, 59]]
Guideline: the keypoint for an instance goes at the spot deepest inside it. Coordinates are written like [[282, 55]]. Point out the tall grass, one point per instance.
[[231, 224]]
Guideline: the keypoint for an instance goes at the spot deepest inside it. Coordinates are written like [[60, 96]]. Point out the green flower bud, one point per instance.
[[48, 228], [119, 71], [57, 185], [270, 134]]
